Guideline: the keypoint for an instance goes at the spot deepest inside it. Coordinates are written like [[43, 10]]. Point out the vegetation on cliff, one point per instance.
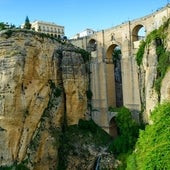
[[152, 149], [15, 166], [159, 37]]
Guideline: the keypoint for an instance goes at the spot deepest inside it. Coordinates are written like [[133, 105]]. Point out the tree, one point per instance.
[[2, 26], [27, 24]]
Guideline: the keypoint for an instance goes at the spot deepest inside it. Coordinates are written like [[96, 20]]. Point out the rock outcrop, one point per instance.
[[165, 88], [147, 76], [86, 147], [43, 84], [148, 71]]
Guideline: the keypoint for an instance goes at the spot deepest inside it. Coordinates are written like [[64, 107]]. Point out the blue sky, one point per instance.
[[77, 15]]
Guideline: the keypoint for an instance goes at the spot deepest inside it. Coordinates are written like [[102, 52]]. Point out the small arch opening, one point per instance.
[[113, 128], [138, 33], [92, 45]]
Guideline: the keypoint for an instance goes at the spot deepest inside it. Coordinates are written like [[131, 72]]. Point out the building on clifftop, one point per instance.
[[84, 33], [49, 28]]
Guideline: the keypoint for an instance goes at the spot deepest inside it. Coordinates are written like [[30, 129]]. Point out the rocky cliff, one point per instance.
[[43, 86], [154, 73]]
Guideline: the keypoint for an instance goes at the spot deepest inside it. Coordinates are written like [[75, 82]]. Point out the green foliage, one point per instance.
[[152, 150], [131, 162], [163, 64], [152, 36], [122, 157], [85, 54], [88, 126], [128, 132], [9, 33], [100, 137], [140, 52], [163, 55], [15, 166], [2, 26]]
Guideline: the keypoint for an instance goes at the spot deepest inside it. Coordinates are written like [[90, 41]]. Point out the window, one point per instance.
[[39, 28]]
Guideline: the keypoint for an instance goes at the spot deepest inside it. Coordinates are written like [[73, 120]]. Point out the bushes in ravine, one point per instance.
[[152, 151], [128, 132]]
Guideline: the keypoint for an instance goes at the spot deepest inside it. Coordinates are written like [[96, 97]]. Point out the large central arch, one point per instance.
[[113, 76]]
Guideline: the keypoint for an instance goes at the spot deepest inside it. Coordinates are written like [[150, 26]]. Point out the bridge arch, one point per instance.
[[113, 75], [138, 32], [109, 52], [113, 128], [92, 45]]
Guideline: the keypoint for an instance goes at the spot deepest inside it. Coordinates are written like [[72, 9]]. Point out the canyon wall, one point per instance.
[[154, 72], [43, 86]]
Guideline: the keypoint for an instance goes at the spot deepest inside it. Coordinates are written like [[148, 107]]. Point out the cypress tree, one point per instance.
[[27, 24]]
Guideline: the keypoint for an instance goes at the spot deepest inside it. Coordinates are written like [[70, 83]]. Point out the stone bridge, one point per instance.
[[114, 72]]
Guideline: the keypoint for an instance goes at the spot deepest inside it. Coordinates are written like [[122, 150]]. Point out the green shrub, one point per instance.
[[131, 162], [128, 132], [9, 33], [152, 151], [87, 125], [20, 166]]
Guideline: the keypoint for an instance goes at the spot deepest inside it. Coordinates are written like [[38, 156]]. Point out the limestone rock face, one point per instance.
[[148, 75], [74, 87], [165, 88], [40, 83]]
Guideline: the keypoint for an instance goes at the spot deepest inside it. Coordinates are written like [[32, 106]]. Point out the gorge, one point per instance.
[[45, 121]]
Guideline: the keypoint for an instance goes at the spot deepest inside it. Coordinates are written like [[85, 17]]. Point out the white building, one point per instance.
[[84, 33], [48, 28]]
